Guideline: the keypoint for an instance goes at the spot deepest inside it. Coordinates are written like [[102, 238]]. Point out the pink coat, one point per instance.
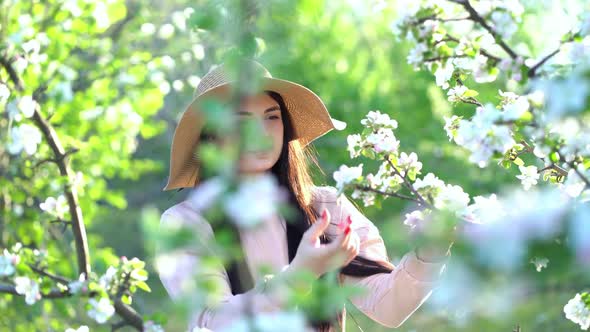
[[391, 297]]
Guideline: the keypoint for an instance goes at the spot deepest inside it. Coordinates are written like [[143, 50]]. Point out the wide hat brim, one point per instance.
[[309, 117]]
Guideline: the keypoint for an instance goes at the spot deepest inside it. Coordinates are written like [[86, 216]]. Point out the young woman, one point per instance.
[[292, 117]]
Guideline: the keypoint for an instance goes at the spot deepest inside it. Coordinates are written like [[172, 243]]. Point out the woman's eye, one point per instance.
[[273, 117]]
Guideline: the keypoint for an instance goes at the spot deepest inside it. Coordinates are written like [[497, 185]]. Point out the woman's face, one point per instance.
[[265, 110]]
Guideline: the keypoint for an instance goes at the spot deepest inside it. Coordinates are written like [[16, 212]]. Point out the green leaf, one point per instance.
[[470, 93], [143, 286], [518, 162], [126, 299]]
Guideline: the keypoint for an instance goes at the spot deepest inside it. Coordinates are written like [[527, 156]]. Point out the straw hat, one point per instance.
[[308, 114]]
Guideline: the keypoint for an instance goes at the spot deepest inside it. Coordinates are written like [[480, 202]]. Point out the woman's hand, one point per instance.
[[321, 258]]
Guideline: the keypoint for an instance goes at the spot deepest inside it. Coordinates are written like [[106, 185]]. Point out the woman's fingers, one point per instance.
[[342, 241], [318, 228]]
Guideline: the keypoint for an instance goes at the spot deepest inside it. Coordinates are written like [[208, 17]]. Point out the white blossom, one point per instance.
[[166, 31], [4, 92], [540, 263], [529, 176], [481, 73], [200, 329], [345, 175], [383, 140], [24, 137], [71, 6], [483, 208], [101, 15], [207, 193], [354, 143], [579, 232], [415, 220], [409, 162], [512, 221], [7, 263], [82, 328], [427, 28], [376, 119], [573, 184], [451, 197], [150, 326], [56, 207], [515, 109], [578, 312], [482, 136], [430, 180], [368, 197], [29, 288], [456, 93], [74, 287], [504, 23], [584, 28], [451, 126], [100, 310], [106, 279], [443, 74], [256, 199], [416, 55]]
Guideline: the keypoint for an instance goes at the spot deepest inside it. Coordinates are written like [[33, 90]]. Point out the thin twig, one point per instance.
[[408, 185], [474, 16], [482, 50], [533, 70], [56, 160], [49, 275]]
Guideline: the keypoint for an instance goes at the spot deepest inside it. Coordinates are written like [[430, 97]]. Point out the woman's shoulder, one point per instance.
[[324, 194], [184, 214]]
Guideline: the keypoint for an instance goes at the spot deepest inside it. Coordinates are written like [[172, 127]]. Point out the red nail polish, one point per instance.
[[347, 230], [324, 214], [349, 219]]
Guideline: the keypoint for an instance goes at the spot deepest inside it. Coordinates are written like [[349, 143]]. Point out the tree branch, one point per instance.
[[386, 193], [7, 64], [70, 193], [53, 294]]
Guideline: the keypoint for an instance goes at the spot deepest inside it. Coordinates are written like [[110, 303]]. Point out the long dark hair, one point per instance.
[[293, 172]]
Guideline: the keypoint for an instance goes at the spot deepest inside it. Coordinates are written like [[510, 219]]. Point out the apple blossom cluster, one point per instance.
[[397, 171], [494, 131], [455, 47], [578, 310], [517, 218]]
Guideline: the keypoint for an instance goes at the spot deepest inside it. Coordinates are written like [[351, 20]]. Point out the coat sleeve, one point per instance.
[[391, 298], [180, 270]]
